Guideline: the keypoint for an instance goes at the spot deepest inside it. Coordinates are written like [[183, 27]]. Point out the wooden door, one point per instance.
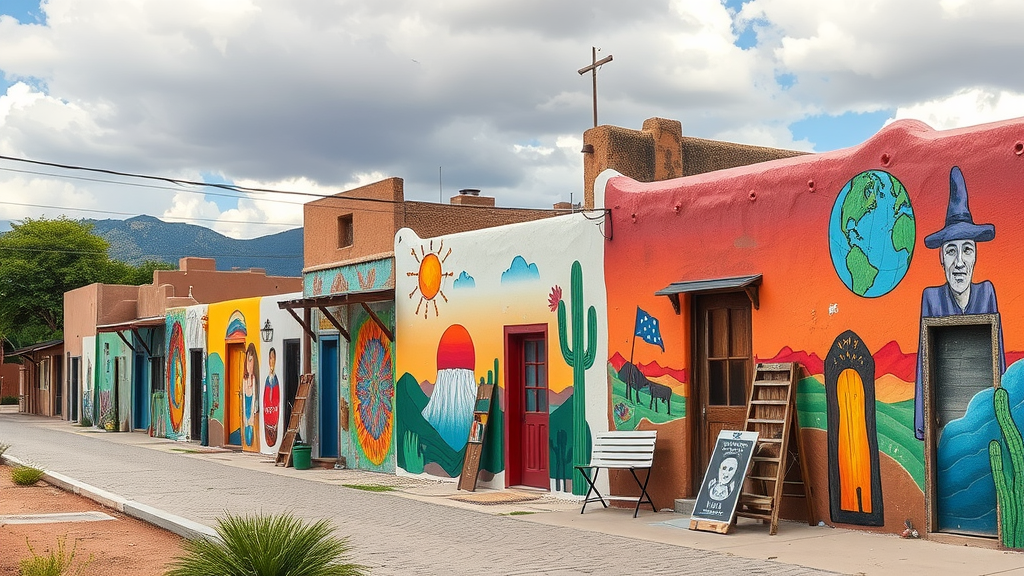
[[527, 406], [723, 369], [233, 394], [329, 405]]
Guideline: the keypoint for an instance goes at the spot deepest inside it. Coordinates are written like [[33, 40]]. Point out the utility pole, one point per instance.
[[595, 63]]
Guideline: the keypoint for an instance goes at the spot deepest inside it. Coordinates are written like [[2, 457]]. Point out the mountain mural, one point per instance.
[[142, 238]]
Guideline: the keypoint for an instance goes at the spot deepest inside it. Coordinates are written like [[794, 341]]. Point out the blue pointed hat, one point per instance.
[[959, 223]]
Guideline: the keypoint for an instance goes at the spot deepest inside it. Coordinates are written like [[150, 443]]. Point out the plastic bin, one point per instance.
[[300, 456]]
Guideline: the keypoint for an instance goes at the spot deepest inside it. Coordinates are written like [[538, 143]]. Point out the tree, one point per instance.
[[40, 260]]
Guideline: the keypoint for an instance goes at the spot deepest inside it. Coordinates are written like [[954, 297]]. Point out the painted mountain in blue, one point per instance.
[[966, 494]]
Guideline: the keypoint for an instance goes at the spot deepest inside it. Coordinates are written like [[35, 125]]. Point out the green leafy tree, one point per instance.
[[40, 260]]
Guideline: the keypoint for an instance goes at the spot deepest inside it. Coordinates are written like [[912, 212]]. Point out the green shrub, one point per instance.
[[54, 563], [268, 545], [8, 400], [26, 475], [85, 421]]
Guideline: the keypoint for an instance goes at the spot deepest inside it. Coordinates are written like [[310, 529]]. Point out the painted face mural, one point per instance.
[[727, 470], [271, 400], [957, 257]]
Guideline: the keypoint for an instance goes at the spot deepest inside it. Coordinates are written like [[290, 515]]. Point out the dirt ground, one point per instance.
[[121, 546]]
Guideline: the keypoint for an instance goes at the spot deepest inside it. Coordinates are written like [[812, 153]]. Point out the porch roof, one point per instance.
[[748, 284], [322, 303], [132, 324], [37, 347]]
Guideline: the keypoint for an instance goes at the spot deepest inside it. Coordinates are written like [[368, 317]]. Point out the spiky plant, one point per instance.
[[26, 475], [268, 545]]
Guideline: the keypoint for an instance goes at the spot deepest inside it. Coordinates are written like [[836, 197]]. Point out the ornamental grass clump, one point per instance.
[[26, 475], [268, 545], [54, 562]]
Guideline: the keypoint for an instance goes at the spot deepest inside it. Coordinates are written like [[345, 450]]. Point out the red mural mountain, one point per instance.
[[651, 370]]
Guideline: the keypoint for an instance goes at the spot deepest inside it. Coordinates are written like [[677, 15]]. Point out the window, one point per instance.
[[345, 231]]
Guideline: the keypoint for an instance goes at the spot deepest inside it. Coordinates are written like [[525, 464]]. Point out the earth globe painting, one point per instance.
[[871, 233]]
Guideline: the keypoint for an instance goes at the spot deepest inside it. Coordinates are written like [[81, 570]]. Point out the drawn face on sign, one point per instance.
[[727, 470], [958, 257]]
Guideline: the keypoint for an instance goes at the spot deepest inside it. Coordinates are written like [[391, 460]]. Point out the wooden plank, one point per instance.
[[708, 526]]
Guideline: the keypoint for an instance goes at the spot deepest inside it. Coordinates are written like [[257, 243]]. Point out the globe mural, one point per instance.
[[871, 233]]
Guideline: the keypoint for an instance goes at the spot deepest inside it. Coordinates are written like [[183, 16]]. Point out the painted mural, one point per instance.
[[486, 307], [113, 393], [233, 373], [88, 379], [175, 372], [371, 396], [855, 216], [272, 396], [374, 275], [855, 487], [645, 391]]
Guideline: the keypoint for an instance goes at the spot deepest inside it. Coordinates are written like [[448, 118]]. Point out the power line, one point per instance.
[[232, 187]]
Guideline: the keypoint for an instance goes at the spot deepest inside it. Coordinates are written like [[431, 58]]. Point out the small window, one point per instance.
[[344, 231]]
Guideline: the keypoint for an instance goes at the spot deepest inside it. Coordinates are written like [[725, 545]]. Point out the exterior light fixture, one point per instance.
[[267, 332]]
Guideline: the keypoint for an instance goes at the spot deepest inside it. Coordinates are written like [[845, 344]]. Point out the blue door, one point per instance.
[[328, 397], [140, 394]]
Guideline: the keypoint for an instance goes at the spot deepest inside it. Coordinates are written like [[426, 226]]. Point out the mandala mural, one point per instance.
[[373, 392], [176, 376]]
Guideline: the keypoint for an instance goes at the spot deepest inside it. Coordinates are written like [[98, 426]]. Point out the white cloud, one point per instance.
[[965, 108]]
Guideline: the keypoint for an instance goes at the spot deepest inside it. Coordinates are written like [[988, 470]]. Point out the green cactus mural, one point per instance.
[[493, 457], [579, 359], [1009, 487]]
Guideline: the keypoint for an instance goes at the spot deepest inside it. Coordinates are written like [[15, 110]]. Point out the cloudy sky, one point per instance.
[[324, 95]]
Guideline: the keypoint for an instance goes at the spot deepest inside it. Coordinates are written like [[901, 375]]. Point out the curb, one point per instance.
[[181, 526]]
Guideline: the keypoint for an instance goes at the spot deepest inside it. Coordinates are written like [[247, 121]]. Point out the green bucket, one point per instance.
[[300, 456]]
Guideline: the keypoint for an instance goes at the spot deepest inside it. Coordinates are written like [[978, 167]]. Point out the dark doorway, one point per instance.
[[527, 406], [196, 395], [73, 400], [961, 360], [58, 383], [292, 359], [723, 367]]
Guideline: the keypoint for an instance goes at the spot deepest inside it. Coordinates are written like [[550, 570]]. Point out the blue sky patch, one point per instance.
[[520, 271], [223, 202], [831, 132], [464, 281], [25, 11]]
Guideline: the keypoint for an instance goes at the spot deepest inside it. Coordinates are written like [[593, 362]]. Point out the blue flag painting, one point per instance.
[[647, 328]]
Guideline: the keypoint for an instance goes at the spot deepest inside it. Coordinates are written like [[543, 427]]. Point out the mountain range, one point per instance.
[[142, 238]]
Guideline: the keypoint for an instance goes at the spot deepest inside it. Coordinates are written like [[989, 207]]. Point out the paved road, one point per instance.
[[392, 535]]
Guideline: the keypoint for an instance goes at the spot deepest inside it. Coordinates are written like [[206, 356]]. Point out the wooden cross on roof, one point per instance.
[[595, 63]]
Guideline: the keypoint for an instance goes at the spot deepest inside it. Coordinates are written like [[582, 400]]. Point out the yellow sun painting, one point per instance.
[[430, 275]]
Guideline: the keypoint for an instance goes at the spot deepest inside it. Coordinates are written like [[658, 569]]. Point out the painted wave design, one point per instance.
[[966, 496]]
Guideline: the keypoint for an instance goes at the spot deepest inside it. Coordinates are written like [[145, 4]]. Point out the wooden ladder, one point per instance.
[[284, 453], [778, 460]]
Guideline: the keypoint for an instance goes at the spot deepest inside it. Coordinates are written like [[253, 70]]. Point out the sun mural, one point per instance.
[[373, 392], [176, 376], [430, 275]]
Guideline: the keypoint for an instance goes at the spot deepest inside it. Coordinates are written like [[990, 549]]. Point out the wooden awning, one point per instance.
[[133, 326], [322, 303], [748, 284]]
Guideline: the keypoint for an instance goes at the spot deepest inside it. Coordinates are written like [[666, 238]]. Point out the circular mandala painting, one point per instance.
[[373, 392], [176, 376]]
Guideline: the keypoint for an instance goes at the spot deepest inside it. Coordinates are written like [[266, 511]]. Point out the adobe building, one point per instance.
[[659, 151], [115, 341], [876, 268], [40, 378], [348, 307]]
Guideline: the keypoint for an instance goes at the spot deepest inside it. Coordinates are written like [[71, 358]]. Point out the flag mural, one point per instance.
[[647, 328]]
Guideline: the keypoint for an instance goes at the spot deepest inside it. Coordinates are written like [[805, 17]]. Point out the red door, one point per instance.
[[527, 401]]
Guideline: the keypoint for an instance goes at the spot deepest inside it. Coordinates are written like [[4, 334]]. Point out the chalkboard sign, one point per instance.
[[723, 481]]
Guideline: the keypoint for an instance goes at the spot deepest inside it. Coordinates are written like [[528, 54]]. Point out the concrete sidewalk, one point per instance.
[[844, 551]]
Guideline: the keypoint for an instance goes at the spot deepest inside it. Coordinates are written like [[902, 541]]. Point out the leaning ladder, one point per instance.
[[778, 460], [284, 453]]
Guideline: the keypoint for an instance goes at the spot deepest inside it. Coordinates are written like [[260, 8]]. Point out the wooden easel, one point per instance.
[[284, 453], [778, 455], [475, 443]]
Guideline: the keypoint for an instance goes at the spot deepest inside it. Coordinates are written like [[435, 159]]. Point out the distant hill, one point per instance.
[[147, 238]]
